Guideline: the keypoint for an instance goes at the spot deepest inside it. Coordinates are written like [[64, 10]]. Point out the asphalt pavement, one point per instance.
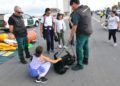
[[103, 68]]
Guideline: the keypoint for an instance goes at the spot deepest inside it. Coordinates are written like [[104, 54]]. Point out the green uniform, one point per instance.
[[82, 18]]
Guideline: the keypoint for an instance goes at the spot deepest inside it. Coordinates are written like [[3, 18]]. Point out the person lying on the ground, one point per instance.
[[40, 65]]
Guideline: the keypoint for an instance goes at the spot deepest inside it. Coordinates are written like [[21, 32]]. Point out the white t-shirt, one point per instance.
[[47, 20], [113, 22], [60, 24], [36, 63]]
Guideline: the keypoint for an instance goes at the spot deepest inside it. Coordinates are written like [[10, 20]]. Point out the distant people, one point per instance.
[[40, 65], [107, 13], [60, 29], [81, 20], [113, 25], [48, 29], [101, 15], [17, 27]]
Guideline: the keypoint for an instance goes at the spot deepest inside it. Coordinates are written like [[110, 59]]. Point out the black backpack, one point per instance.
[[62, 66]]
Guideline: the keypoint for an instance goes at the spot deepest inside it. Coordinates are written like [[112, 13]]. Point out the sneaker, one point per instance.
[[115, 44], [77, 67], [42, 80], [29, 56], [60, 46], [23, 61], [64, 46]]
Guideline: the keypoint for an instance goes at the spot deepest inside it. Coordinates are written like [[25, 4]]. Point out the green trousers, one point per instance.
[[61, 37], [22, 46], [82, 48]]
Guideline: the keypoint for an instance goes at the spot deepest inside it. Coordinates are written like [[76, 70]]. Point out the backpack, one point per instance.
[[61, 67]]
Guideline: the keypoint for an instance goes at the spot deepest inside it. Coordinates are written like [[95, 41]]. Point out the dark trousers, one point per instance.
[[112, 33], [49, 35], [22, 46], [61, 37]]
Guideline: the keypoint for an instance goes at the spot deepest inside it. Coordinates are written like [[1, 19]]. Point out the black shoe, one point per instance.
[[85, 61], [23, 61], [42, 80], [29, 56], [77, 67]]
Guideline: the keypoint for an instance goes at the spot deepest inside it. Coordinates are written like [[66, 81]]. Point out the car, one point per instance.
[[36, 21], [4, 21], [28, 21]]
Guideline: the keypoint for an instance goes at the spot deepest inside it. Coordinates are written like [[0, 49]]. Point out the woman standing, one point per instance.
[[47, 28], [113, 25]]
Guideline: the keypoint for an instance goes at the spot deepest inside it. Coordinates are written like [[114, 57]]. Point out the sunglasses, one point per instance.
[[20, 12]]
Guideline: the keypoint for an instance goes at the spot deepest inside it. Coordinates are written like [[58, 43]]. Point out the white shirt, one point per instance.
[[60, 25], [47, 20], [113, 22], [36, 63]]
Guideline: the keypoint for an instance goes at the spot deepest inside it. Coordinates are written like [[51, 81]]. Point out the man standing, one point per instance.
[[81, 19], [17, 27]]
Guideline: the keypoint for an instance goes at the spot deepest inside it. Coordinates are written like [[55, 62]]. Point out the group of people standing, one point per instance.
[[50, 28], [80, 22]]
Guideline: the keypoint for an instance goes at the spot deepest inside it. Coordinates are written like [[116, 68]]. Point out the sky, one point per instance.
[[38, 6]]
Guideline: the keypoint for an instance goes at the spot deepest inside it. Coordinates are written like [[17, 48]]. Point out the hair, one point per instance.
[[59, 14], [47, 9], [16, 7], [38, 51], [74, 1], [114, 12]]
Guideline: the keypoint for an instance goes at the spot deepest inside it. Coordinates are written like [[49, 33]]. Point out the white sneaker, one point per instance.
[[60, 46], [64, 46], [115, 44]]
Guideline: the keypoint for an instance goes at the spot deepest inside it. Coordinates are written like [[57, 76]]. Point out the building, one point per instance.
[[63, 5]]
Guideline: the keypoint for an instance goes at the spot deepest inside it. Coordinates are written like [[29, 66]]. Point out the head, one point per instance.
[[38, 51], [74, 4], [18, 11], [47, 11], [113, 13], [59, 16]]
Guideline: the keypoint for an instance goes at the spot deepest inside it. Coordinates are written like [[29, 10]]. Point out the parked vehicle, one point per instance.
[[4, 21], [36, 21], [28, 20]]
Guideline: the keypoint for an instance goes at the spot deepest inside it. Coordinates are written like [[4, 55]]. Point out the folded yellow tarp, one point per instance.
[[4, 46]]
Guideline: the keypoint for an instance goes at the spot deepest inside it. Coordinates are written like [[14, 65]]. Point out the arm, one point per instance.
[[54, 27], [75, 20], [11, 24], [73, 30], [51, 60], [41, 25], [41, 29], [11, 28]]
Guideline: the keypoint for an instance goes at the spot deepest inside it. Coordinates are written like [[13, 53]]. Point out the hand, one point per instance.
[[59, 59]]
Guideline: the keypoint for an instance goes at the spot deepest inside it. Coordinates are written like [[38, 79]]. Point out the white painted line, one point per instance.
[[96, 19]]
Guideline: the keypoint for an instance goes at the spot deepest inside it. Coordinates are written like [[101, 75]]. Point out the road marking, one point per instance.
[[96, 19]]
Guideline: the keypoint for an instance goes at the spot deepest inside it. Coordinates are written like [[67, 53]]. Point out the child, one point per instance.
[[60, 28], [40, 65]]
